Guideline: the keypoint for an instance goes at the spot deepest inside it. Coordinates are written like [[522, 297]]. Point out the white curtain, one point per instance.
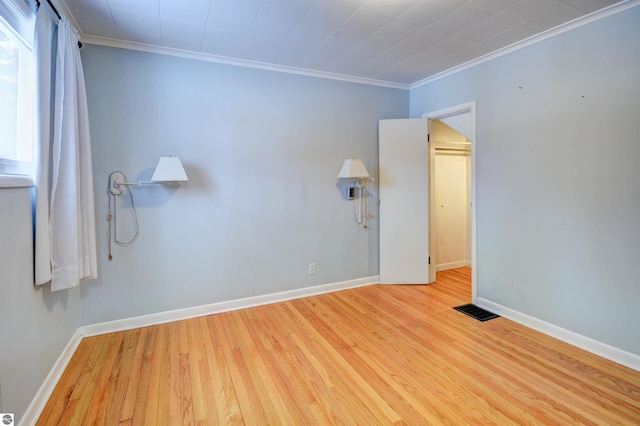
[[71, 220], [43, 50]]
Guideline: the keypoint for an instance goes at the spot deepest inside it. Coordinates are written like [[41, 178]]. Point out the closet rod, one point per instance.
[[463, 143], [454, 149], [57, 14]]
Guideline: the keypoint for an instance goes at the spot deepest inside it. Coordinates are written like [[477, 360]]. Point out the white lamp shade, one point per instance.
[[169, 169], [354, 169]]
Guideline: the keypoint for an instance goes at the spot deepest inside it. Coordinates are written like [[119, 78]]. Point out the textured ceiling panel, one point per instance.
[[397, 41]]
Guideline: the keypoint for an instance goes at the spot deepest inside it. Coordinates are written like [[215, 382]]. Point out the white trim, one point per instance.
[[239, 62], [39, 401], [578, 22], [596, 347], [63, 9], [219, 307], [452, 265], [34, 410], [16, 181], [568, 26], [20, 19], [458, 109], [15, 167]]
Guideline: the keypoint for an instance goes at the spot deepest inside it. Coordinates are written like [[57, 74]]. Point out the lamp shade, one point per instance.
[[354, 169], [169, 169]]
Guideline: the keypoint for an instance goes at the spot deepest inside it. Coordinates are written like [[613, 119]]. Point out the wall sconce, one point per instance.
[[353, 168], [168, 171]]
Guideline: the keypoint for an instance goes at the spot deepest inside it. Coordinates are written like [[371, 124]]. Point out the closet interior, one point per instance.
[[452, 198]]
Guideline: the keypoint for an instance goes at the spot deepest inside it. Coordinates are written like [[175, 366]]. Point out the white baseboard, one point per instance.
[[219, 307], [602, 349], [452, 265], [46, 389], [31, 415]]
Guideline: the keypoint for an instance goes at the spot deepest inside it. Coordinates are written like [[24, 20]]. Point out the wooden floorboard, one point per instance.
[[371, 355]]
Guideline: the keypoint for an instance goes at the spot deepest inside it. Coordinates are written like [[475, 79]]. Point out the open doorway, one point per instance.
[[452, 196], [452, 185]]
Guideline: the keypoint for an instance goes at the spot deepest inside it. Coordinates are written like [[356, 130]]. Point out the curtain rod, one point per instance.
[[52, 8], [57, 14]]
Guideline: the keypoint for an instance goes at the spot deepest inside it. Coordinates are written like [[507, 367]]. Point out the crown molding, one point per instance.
[[578, 22], [238, 62], [64, 10]]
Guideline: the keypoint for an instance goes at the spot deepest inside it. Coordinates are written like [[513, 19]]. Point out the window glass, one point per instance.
[[9, 59], [16, 99]]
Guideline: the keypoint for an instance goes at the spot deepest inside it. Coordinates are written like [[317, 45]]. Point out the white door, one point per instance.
[[404, 201]]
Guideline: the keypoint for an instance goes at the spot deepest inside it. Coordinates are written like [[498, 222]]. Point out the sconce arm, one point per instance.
[[361, 180], [140, 183], [117, 183]]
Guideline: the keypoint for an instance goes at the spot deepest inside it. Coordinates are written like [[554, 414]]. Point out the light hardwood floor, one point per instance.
[[367, 356]]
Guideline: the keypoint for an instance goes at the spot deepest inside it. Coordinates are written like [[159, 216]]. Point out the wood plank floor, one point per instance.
[[367, 356]]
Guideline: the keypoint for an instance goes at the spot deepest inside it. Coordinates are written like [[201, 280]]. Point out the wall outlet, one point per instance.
[[351, 193], [312, 269]]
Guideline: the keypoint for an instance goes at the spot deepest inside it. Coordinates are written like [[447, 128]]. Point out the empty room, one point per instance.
[[319, 212]]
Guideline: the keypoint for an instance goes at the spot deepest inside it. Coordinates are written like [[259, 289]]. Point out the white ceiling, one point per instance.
[[397, 41]]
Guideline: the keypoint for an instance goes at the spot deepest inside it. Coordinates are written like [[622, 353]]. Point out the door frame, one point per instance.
[[469, 107]]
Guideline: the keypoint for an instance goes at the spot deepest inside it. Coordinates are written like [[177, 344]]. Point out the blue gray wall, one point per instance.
[[558, 194], [558, 181], [262, 151], [35, 324]]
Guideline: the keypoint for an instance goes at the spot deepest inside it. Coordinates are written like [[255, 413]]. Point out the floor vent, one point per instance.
[[476, 312]]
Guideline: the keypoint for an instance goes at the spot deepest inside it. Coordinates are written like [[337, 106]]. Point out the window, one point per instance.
[[16, 102]]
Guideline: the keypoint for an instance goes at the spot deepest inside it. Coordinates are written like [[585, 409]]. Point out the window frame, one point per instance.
[[17, 21]]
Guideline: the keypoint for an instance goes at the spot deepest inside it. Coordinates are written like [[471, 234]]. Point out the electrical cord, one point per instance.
[[362, 219], [112, 217]]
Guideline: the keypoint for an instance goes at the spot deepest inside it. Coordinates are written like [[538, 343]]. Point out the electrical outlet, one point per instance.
[[351, 193], [312, 269]]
